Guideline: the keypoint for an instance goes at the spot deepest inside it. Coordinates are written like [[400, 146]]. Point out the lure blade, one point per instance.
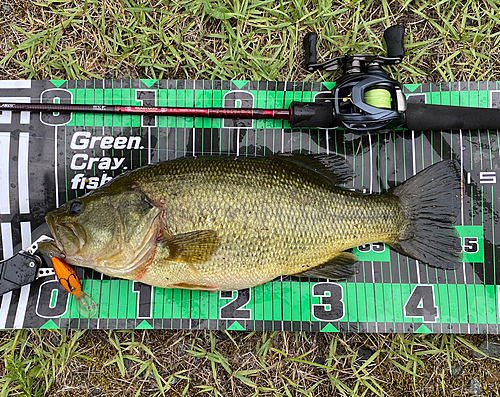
[[68, 278]]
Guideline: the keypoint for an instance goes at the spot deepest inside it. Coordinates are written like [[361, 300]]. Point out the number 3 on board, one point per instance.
[[421, 304], [331, 307]]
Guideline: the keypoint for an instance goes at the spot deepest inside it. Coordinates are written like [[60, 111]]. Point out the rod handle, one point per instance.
[[423, 117], [312, 114]]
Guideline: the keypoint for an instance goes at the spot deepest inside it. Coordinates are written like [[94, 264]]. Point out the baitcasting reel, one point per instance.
[[365, 99]]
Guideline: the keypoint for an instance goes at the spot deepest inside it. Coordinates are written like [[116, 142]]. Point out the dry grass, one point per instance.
[[243, 39]]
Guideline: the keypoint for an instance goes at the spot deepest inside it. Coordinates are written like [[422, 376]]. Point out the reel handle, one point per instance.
[[394, 38], [311, 55]]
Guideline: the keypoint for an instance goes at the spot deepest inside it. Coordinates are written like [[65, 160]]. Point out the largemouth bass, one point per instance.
[[231, 223]]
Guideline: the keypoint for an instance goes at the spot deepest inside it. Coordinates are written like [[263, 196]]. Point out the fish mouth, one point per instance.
[[67, 236]]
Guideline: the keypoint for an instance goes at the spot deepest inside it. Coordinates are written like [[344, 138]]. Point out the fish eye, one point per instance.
[[76, 207]]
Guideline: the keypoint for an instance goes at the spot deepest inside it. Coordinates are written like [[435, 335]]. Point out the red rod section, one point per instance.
[[223, 113]]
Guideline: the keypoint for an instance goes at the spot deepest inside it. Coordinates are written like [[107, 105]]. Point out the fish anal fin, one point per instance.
[[341, 267], [193, 247]]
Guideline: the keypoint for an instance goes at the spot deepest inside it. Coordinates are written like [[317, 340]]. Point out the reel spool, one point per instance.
[[379, 98], [365, 99]]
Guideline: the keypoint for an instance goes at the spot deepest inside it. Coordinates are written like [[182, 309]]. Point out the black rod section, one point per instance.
[[423, 117]]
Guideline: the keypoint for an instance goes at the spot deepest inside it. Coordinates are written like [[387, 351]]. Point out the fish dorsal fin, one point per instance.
[[192, 247], [333, 167], [341, 267]]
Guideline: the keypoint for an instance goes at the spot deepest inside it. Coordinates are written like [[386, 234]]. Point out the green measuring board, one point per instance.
[[47, 159]]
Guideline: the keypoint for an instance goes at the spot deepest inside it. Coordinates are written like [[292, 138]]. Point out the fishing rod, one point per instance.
[[364, 100]]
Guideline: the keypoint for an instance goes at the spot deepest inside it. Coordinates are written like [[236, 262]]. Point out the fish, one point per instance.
[[230, 223], [70, 281]]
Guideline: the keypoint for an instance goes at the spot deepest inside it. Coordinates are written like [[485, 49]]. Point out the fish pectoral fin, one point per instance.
[[341, 267], [192, 247]]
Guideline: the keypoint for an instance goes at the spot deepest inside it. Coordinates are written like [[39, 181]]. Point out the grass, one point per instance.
[[447, 40], [243, 39], [183, 363]]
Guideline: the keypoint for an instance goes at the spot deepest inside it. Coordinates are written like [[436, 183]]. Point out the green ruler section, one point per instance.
[[319, 302], [472, 243]]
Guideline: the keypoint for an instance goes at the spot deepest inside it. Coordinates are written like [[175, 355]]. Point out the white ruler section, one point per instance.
[[4, 173], [25, 289], [22, 164], [6, 115], [8, 251]]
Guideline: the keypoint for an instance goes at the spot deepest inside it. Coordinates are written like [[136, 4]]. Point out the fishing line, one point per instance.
[[379, 98]]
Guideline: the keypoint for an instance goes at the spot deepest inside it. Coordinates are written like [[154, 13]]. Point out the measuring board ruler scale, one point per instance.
[[47, 159]]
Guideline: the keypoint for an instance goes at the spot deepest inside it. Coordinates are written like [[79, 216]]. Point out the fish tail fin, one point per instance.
[[430, 203]]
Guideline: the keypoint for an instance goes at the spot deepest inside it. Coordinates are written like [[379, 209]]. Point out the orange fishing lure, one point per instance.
[[69, 280]]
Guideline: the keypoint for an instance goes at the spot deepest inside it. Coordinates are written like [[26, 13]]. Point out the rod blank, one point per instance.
[[274, 114]]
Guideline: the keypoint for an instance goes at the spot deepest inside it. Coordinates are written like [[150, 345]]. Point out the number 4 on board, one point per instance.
[[421, 304]]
